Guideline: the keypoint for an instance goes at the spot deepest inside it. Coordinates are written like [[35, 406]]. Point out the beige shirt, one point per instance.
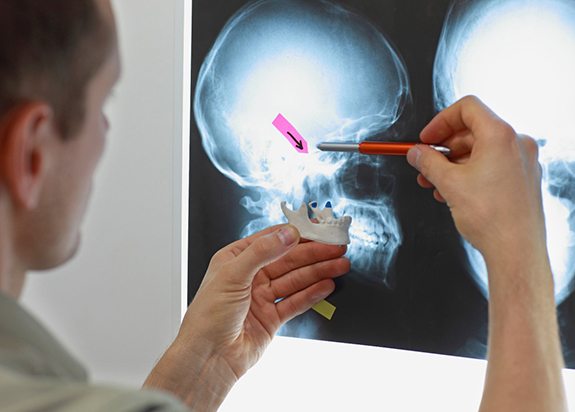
[[38, 374]]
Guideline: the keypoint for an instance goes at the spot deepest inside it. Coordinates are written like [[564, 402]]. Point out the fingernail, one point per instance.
[[413, 156], [287, 235]]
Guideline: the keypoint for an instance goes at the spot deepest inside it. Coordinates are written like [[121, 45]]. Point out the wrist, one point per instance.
[[195, 374], [525, 359], [519, 267]]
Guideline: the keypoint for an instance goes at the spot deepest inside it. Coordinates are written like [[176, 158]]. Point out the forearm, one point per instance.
[[198, 378], [524, 372]]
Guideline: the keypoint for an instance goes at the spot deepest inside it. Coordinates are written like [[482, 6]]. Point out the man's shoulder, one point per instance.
[[20, 392], [28, 348], [38, 374]]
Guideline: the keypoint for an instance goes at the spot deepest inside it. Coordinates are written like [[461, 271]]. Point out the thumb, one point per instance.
[[262, 252], [433, 165]]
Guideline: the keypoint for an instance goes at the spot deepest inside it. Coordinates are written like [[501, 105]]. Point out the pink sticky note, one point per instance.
[[291, 134]]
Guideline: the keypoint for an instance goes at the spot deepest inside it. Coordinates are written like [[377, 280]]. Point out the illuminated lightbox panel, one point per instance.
[[359, 69]]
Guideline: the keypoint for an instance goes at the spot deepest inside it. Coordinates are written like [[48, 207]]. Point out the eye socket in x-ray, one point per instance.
[[355, 70]]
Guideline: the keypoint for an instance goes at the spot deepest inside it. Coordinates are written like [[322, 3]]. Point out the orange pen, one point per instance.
[[377, 148]]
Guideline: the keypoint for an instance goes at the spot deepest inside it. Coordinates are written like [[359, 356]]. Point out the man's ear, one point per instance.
[[24, 134]]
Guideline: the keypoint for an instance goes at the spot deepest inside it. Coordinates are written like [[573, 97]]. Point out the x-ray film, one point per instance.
[[273, 78]]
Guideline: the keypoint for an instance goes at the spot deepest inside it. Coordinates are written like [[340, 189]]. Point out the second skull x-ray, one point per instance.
[[356, 70]]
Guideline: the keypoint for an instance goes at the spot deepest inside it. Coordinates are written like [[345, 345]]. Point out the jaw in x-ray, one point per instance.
[[519, 57], [336, 78]]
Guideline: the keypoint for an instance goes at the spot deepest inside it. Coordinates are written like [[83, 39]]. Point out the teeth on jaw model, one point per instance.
[[323, 227]]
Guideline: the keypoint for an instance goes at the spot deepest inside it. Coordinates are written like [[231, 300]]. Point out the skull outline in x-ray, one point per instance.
[[335, 77], [519, 58]]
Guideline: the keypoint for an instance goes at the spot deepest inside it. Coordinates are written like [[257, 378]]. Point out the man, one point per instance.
[[58, 62]]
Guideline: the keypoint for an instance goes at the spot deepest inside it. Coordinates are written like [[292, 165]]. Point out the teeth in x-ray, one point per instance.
[[375, 238], [328, 228]]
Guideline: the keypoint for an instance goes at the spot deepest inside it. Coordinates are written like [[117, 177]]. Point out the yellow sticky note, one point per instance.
[[325, 309]]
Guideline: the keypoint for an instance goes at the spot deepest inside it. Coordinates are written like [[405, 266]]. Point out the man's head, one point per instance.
[[58, 63], [49, 50]]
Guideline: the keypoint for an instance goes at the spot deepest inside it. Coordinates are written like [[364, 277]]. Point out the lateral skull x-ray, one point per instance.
[[353, 71], [519, 57], [333, 75]]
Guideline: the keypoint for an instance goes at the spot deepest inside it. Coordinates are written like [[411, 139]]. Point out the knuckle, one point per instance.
[[294, 285], [290, 260], [470, 99], [316, 253], [260, 247], [263, 246], [425, 165], [530, 146], [505, 131], [346, 265], [216, 258], [435, 175]]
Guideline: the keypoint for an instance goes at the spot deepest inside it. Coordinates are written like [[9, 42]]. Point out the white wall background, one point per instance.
[[117, 304]]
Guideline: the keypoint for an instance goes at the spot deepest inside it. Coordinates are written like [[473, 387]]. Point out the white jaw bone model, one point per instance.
[[328, 228]]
